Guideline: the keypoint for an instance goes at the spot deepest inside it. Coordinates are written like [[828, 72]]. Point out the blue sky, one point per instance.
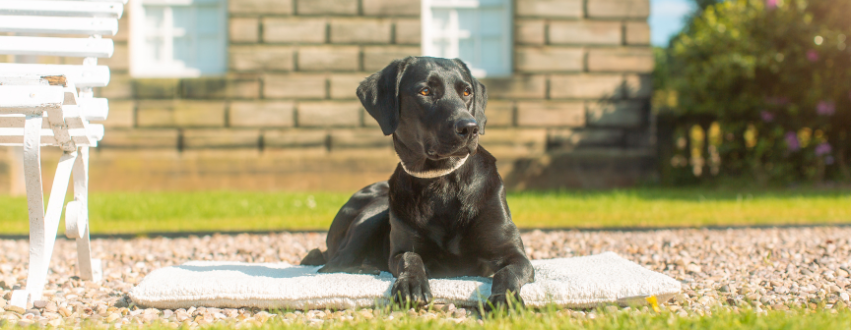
[[666, 19]]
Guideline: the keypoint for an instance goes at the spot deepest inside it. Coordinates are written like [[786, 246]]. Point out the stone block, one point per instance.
[[120, 87], [261, 58], [243, 87], [569, 139], [219, 88], [120, 60], [516, 87], [345, 86], [514, 142], [368, 121], [638, 60], [618, 8], [500, 114], [122, 114], [377, 57], [294, 30], [260, 7], [359, 139], [616, 114], [529, 32], [585, 33], [294, 86], [156, 88], [550, 8], [123, 29], [549, 59], [408, 32], [551, 114], [139, 139], [328, 58], [329, 114], [639, 86], [585, 86], [262, 114], [220, 139], [327, 7], [391, 8], [637, 33], [360, 31], [244, 29], [180, 113], [295, 139]]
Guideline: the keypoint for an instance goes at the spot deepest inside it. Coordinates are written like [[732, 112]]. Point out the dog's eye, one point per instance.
[[467, 91], [425, 91]]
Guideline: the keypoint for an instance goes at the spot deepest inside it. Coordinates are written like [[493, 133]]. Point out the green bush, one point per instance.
[[775, 75]]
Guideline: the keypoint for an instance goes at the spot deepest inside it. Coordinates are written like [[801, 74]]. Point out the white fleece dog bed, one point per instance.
[[568, 282]]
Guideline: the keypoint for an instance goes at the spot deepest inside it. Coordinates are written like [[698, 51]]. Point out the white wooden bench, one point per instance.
[[52, 105]]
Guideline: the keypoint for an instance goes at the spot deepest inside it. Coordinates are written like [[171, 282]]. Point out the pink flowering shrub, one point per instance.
[[776, 72]]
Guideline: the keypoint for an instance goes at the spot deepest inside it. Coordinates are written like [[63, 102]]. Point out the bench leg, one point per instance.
[[77, 219], [43, 225]]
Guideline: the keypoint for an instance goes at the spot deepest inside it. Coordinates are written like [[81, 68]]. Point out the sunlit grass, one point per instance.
[[261, 211], [552, 319]]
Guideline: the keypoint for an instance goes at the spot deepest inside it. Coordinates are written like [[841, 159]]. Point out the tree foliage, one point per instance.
[[776, 76]]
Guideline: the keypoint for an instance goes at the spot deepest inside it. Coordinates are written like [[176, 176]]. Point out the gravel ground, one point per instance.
[[759, 268]]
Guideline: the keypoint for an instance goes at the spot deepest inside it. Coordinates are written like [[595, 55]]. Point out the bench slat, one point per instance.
[[116, 1], [87, 137], [96, 109], [61, 8], [82, 76], [74, 47], [92, 109], [59, 25], [28, 99]]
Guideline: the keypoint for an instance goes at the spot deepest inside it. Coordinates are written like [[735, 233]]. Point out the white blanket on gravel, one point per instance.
[[566, 282]]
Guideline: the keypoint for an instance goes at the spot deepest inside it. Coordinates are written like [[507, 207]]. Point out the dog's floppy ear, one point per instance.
[[379, 94], [480, 97]]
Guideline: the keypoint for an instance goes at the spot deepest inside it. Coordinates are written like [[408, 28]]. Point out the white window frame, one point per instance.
[[428, 34], [140, 67]]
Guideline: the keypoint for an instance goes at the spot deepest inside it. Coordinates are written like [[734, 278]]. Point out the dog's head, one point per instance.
[[433, 107]]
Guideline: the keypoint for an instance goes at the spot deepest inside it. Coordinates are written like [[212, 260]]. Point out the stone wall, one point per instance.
[[285, 116]]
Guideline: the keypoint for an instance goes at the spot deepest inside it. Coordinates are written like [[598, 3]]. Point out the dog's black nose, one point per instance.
[[466, 127]]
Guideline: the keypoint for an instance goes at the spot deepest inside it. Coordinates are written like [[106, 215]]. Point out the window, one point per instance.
[[476, 31], [178, 38]]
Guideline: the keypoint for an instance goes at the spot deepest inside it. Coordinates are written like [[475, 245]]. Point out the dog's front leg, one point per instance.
[[515, 272], [411, 284]]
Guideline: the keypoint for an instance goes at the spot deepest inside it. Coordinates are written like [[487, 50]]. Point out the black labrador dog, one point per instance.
[[443, 211]]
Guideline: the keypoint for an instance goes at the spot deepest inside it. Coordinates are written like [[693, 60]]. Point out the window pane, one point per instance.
[[183, 40], [467, 23], [211, 56], [478, 32], [492, 59], [208, 21], [491, 23], [467, 50]]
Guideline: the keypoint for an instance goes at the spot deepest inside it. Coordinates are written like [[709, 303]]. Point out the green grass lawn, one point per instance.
[[646, 207], [547, 320]]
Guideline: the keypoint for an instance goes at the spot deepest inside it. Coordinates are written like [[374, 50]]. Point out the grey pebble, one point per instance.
[[761, 268]]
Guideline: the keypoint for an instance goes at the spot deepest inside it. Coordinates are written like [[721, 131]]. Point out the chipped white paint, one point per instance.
[[40, 106], [82, 76], [29, 99]]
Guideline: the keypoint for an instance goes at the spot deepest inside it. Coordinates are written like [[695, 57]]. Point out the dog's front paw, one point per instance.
[[508, 299], [411, 290]]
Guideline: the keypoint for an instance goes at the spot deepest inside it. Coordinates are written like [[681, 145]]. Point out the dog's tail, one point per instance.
[[314, 258]]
